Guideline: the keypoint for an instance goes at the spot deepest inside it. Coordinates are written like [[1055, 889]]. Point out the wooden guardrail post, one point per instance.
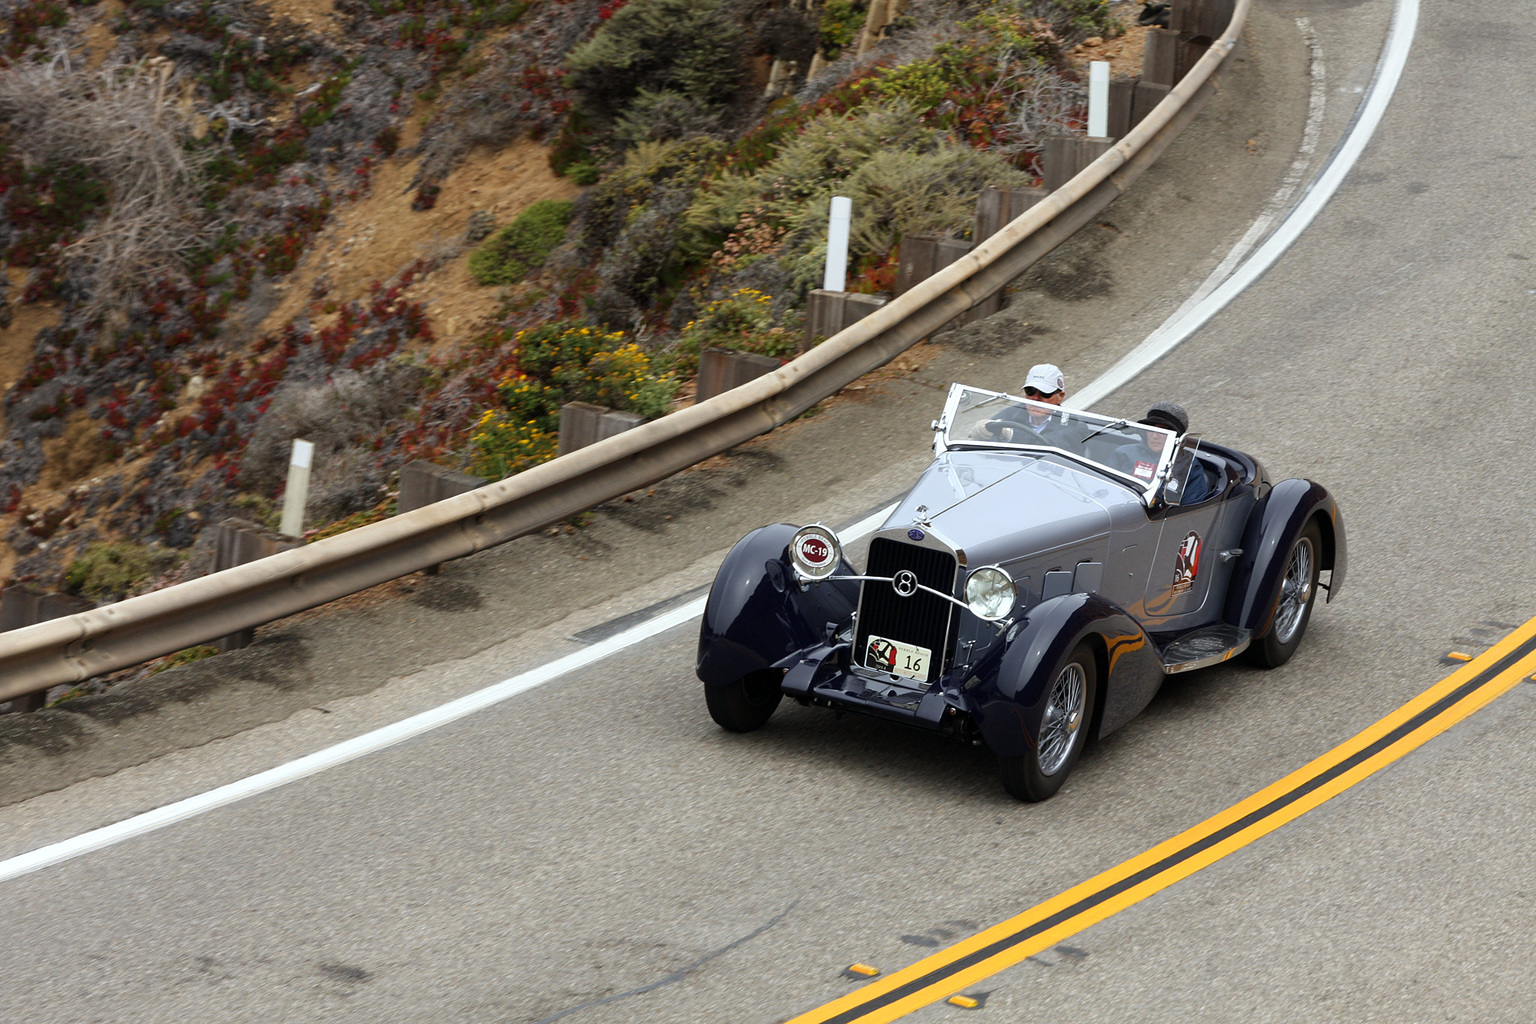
[[995, 207], [1208, 18], [1147, 96], [1122, 95], [35, 701], [582, 423], [1160, 58], [1196, 24], [21, 605], [721, 369], [925, 254], [827, 313], [1066, 155], [423, 483], [236, 542]]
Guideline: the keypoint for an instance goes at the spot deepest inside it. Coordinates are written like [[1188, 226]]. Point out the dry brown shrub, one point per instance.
[[125, 124]]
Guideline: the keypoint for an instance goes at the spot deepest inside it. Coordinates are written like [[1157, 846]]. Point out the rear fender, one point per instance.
[[757, 614], [1273, 527], [1129, 672]]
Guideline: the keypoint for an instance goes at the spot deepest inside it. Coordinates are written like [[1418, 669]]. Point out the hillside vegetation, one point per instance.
[[414, 228]]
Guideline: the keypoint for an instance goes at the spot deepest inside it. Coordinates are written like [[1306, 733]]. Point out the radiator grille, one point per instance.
[[921, 619]]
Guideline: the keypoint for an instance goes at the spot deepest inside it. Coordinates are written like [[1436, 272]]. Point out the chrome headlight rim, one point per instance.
[[815, 551], [990, 593]]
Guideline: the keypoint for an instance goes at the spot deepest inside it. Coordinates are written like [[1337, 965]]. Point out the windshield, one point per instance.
[[975, 418]]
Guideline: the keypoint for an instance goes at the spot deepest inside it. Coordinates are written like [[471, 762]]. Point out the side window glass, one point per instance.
[[1184, 486]]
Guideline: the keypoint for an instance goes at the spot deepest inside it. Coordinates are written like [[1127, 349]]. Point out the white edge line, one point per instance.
[[1162, 341], [1182, 324], [368, 743], [1295, 175]]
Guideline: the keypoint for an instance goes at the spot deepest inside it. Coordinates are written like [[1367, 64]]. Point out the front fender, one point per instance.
[[1008, 710], [1272, 527], [757, 614]]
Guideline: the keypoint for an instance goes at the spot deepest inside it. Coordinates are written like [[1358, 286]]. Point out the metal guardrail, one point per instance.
[[105, 639]]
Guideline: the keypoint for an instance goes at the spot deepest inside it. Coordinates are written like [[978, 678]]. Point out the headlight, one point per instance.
[[816, 552], [990, 593]]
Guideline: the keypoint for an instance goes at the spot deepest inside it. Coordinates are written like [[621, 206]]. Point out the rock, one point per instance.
[[480, 224]]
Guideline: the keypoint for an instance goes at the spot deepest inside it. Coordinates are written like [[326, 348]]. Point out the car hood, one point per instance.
[[1003, 507]]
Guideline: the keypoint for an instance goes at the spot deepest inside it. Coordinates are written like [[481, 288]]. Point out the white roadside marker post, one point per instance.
[[837, 244], [1098, 99], [297, 492]]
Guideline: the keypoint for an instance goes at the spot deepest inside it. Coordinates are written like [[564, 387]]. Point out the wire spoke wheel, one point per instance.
[[1295, 591], [1294, 597], [1063, 717], [1071, 692]]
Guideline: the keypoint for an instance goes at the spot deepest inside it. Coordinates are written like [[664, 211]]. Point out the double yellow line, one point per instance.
[[1037, 929]]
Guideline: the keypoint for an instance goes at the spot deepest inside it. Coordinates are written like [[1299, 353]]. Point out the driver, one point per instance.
[[1140, 458], [1045, 383]]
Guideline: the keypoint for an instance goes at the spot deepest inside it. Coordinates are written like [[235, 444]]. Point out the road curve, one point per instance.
[[596, 850]]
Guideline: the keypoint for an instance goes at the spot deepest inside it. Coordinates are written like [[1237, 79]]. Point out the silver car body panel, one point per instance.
[[1034, 513], [1025, 512]]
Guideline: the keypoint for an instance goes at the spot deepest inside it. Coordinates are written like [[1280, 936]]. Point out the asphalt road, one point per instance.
[[596, 850]]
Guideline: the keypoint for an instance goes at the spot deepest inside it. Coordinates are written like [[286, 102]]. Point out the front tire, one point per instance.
[[745, 704], [1293, 604], [1060, 734]]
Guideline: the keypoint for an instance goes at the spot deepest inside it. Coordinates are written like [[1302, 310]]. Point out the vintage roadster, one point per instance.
[[1033, 588]]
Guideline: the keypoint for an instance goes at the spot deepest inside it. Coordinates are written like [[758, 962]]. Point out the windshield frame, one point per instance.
[[963, 399]]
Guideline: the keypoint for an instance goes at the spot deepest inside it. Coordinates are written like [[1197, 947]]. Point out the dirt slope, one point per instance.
[[377, 237]]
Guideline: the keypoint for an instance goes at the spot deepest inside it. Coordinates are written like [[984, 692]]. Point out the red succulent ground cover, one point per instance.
[[178, 383]]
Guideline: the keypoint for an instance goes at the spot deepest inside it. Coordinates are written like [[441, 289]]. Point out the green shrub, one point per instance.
[[688, 48], [559, 363], [1091, 17], [584, 173], [841, 23], [110, 571], [744, 321], [922, 83], [904, 192], [664, 116], [522, 245], [504, 445], [650, 171], [902, 176], [633, 228], [260, 510]]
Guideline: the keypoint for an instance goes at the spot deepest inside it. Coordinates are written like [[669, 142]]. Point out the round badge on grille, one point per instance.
[[815, 552], [905, 583]]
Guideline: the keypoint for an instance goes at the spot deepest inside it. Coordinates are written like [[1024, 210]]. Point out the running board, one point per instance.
[[1211, 645]]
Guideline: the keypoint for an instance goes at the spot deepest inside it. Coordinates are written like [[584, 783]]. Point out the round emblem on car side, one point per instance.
[[916, 534], [904, 583]]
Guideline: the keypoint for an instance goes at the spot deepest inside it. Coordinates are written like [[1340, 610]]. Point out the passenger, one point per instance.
[[1140, 459]]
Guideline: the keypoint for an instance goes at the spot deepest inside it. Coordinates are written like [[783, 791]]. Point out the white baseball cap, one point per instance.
[[1046, 378]]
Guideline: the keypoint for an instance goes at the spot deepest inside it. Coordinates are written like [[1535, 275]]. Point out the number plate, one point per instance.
[[897, 658]]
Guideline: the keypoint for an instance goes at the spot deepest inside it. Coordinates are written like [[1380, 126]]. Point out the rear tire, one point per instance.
[[1293, 604], [745, 704], [1061, 732]]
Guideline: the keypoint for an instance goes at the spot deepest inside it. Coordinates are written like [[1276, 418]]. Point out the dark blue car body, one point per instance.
[[1117, 585]]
